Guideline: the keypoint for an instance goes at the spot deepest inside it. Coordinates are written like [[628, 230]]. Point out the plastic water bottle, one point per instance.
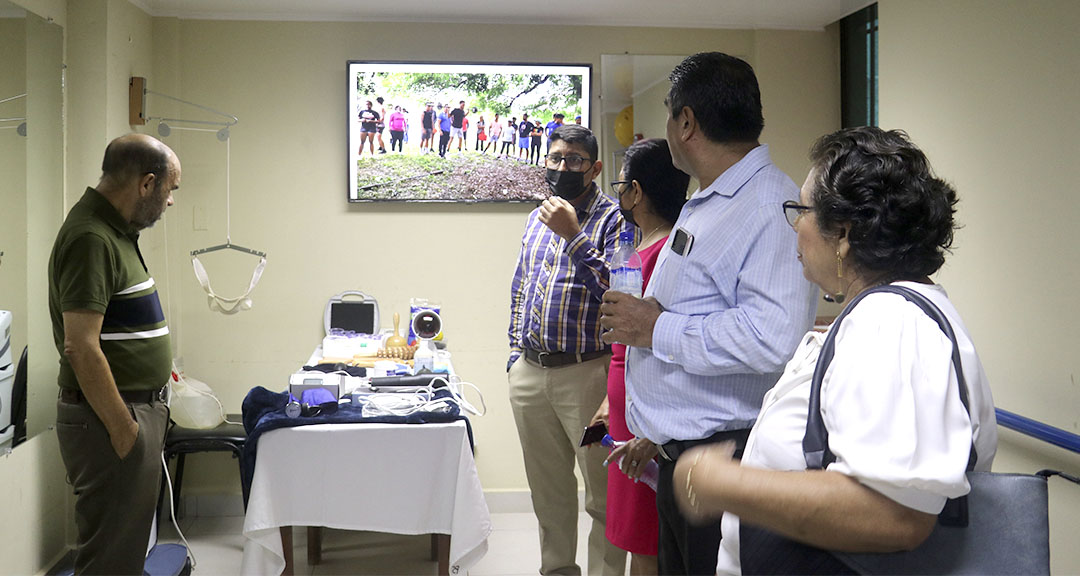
[[648, 475], [626, 266], [423, 358]]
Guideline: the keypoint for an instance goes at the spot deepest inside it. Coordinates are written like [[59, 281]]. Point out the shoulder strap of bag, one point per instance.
[[816, 441]]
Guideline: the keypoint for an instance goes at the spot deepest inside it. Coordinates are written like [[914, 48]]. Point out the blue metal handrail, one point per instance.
[[1036, 429]]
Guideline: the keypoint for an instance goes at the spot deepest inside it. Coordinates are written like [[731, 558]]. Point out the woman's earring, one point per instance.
[[838, 296]]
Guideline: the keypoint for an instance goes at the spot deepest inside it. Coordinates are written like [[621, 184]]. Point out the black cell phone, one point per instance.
[[593, 434], [682, 242]]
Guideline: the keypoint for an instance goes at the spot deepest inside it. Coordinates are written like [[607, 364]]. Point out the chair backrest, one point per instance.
[[18, 401]]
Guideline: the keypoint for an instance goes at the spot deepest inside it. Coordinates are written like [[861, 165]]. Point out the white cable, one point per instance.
[[404, 404], [454, 385], [423, 400], [228, 191], [172, 512], [469, 407]]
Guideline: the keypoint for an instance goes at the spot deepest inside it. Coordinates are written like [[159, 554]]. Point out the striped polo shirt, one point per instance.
[[96, 265]]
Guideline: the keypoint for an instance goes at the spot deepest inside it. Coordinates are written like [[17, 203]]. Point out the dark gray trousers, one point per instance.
[[116, 498]]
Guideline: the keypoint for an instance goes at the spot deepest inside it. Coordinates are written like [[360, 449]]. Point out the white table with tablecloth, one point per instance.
[[397, 478]]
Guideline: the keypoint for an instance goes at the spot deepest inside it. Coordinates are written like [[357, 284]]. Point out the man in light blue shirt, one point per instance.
[[727, 303]]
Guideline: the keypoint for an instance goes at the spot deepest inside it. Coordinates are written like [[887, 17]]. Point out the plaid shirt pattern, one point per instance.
[[558, 285]]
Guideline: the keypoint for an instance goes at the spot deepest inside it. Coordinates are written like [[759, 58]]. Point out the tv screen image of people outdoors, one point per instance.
[[426, 132]]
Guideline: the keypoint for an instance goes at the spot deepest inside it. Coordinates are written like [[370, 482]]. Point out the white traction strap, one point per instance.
[[223, 304]]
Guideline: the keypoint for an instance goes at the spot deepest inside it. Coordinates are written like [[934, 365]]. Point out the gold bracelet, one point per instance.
[[691, 496]]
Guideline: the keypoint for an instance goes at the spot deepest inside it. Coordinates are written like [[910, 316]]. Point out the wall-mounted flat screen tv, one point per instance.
[[457, 132]]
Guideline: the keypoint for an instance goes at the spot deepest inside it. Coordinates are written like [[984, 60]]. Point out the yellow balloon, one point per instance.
[[624, 126]]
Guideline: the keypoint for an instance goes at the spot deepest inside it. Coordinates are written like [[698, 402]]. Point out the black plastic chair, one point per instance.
[[180, 442], [18, 400]]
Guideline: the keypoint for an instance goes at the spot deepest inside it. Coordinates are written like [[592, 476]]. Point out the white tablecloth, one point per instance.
[[397, 478]]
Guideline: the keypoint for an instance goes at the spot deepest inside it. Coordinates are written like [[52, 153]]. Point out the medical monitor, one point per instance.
[[351, 311]]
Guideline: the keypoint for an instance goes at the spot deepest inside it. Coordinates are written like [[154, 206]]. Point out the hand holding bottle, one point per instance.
[[626, 267], [640, 465], [628, 320]]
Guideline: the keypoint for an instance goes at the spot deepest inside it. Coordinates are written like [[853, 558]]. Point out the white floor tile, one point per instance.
[[510, 552], [514, 521], [167, 530], [217, 553], [213, 525], [513, 548]]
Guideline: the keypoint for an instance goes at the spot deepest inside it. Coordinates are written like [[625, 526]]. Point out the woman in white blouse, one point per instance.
[[870, 213]]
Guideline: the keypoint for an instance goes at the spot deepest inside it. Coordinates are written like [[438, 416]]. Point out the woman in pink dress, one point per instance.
[[651, 191]]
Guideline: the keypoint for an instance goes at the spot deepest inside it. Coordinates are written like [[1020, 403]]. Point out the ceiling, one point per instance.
[[741, 14]]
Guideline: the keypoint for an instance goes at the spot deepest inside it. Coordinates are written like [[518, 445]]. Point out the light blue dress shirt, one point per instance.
[[735, 307]]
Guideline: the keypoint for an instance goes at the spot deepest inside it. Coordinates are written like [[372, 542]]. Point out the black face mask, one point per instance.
[[569, 185]]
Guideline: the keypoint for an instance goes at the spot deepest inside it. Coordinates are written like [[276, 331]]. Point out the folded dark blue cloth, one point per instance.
[[264, 411]]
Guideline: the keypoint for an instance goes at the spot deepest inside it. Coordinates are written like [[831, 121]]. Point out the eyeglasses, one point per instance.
[[572, 162], [616, 187], [793, 211]]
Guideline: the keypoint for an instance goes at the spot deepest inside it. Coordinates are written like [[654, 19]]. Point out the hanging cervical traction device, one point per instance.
[[223, 304]]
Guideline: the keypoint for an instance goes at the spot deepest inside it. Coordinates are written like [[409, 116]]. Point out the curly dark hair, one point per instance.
[[723, 92], [649, 162], [879, 183]]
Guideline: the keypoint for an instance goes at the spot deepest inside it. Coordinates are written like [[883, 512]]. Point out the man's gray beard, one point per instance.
[[145, 209]]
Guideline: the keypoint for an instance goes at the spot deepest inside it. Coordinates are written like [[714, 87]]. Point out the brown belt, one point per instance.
[[556, 359], [68, 396]]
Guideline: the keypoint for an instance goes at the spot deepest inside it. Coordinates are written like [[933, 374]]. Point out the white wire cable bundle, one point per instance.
[[456, 390], [422, 400]]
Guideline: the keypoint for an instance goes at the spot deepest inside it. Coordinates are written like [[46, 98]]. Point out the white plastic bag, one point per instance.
[[193, 404]]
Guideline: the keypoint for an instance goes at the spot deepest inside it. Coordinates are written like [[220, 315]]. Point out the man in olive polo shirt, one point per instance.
[[115, 354]]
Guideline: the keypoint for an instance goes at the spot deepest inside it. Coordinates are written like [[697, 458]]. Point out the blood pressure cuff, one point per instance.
[[314, 396]]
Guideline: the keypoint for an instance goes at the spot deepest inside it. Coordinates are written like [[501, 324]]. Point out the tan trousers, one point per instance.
[[552, 406]]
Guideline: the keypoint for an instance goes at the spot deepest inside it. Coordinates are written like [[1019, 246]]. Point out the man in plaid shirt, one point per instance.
[[558, 364]]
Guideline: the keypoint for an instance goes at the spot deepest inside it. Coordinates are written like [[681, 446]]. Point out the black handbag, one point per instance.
[[999, 527]]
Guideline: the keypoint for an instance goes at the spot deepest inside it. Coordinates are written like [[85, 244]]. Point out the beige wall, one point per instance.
[[285, 81], [44, 206], [13, 183], [988, 89], [650, 114], [33, 498], [1005, 143], [54, 11], [798, 73], [104, 35]]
